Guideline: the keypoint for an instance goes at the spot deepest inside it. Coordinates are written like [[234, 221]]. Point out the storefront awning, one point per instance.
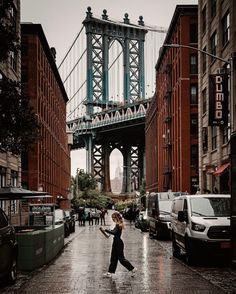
[[221, 169], [17, 193]]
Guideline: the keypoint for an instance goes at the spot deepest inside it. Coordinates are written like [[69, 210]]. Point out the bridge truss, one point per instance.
[[107, 123]]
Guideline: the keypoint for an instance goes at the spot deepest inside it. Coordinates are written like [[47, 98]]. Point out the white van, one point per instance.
[[159, 209], [201, 225]]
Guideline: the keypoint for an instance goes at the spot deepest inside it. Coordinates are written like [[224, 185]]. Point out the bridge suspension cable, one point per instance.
[[71, 47], [74, 67]]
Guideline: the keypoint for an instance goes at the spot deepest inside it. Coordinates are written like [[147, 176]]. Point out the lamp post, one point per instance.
[[197, 49], [230, 63]]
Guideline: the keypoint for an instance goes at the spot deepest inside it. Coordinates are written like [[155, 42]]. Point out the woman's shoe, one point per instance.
[[134, 270], [107, 275]]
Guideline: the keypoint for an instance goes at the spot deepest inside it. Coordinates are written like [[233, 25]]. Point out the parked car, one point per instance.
[[8, 250], [60, 218], [141, 221], [159, 209], [201, 226]]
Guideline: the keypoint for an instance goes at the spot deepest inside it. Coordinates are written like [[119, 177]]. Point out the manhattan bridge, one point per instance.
[[109, 75]]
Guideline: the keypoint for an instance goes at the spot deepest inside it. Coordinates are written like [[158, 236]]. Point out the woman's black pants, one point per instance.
[[117, 254]]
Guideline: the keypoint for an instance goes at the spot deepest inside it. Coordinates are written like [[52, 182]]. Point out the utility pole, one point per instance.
[[77, 182]]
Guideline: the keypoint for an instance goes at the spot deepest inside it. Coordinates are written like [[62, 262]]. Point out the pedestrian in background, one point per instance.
[[102, 216], [117, 252], [90, 217], [83, 217], [80, 216], [96, 216]]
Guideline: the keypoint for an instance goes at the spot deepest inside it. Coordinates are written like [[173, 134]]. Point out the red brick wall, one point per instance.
[[49, 161], [151, 147], [173, 112]]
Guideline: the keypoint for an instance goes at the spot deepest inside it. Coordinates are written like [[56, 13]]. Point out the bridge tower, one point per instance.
[[100, 35]]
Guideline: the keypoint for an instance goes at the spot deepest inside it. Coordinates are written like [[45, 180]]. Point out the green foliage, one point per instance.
[[121, 205], [8, 36], [99, 201], [19, 125], [85, 193], [85, 181], [78, 202]]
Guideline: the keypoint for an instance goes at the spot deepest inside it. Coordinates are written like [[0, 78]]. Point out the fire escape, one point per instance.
[[167, 168]]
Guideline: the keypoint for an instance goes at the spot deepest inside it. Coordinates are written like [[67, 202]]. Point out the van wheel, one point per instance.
[[189, 257], [12, 275], [175, 247]]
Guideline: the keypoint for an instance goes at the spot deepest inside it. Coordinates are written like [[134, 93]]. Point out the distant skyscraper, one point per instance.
[[118, 172], [116, 183]]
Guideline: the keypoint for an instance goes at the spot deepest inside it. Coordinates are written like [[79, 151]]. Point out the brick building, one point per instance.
[[217, 31], [151, 146], [176, 97], [47, 165], [10, 166]]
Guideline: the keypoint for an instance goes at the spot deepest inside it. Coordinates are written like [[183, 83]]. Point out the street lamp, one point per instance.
[[197, 49], [232, 141]]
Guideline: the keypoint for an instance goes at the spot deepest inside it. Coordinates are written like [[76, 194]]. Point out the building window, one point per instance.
[[14, 176], [225, 29], [193, 64], [204, 140], [213, 45], [214, 138], [204, 104], [194, 185], [213, 8], [193, 94], [194, 155], [226, 134], [13, 59], [204, 20], [204, 61], [194, 124], [12, 14], [3, 172], [193, 33]]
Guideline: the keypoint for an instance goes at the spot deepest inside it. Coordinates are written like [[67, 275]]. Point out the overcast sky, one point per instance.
[[62, 20]]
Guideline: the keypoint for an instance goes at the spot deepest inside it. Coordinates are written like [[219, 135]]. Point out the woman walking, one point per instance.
[[117, 253]]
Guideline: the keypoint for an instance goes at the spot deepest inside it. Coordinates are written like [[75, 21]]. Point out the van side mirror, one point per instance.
[[182, 216]]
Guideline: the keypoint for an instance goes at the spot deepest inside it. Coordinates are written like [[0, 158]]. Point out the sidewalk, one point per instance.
[[24, 277]]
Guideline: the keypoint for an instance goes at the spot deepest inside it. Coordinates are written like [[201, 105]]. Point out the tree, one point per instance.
[[85, 193], [8, 36], [85, 181], [19, 124]]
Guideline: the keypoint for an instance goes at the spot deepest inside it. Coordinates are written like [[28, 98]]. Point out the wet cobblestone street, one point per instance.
[[80, 267]]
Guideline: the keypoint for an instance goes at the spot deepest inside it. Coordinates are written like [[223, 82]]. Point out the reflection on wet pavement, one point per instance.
[[80, 268]]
